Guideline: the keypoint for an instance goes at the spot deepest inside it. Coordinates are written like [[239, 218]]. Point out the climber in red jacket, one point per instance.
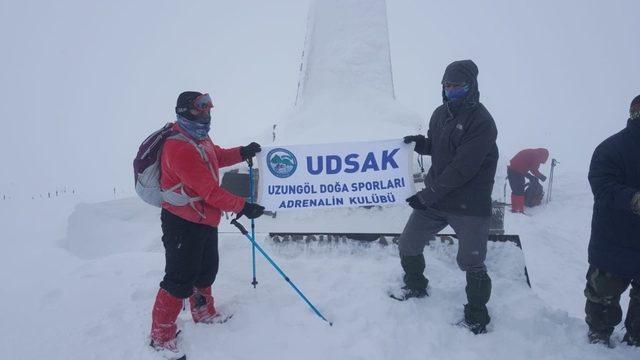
[[190, 164], [525, 164]]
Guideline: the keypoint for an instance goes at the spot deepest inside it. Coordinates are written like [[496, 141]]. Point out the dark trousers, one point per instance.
[[516, 181], [191, 253], [472, 232], [603, 311]]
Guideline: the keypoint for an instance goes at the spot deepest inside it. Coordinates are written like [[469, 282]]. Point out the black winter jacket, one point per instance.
[[462, 143], [614, 176]]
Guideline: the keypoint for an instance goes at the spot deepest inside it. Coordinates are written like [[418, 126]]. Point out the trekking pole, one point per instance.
[[244, 232], [554, 163], [504, 191], [253, 223]]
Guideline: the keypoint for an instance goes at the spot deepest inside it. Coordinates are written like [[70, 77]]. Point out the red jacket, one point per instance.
[[529, 160], [182, 163]]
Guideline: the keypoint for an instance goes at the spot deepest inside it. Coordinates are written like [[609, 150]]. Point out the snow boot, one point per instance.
[[602, 338], [407, 293], [478, 289], [602, 308], [169, 350], [202, 305], [632, 322], [517, 203], [163, 326], [415, 284], [475, 328], [631, 340], [414, 278]]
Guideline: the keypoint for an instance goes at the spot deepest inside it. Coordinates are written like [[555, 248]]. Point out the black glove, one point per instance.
[[542, 178], [414, 138], [251, 210], [421, 147], [415, 203], [249, 151]]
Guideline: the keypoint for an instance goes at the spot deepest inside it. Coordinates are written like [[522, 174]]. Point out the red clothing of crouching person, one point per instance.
[[526, 163]]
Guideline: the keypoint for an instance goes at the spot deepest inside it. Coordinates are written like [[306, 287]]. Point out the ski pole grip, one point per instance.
[[242, 229]]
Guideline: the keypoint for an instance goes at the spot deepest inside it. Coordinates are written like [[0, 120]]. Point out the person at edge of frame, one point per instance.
[[614, 247]]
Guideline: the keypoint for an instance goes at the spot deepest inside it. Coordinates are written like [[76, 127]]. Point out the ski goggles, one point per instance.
[[455, 91], [203, 103]]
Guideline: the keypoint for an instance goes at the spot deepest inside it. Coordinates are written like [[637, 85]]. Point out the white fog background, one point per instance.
[[83, 82]]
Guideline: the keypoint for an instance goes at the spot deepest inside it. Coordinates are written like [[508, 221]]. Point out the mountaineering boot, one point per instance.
[[602, 308], [169, 351], [478, 289], [414, 280], [632, 322], [631, 340], [202, 305], [407, 293], [163, 326], [597, 337], [517, 203]]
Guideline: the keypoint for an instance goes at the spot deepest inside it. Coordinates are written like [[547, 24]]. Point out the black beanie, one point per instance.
[[461, 71], [634, 110], [185, 103]]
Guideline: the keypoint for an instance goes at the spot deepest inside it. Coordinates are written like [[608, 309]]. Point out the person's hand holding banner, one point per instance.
[[414, 202], [251, 210], [249, 151]]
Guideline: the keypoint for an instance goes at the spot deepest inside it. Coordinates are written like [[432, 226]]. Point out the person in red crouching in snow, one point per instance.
[[525, 164], [190, 164]]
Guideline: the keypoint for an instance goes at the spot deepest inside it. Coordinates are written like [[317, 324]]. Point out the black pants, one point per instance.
[[603, 311], [191, 252], [516, 181]]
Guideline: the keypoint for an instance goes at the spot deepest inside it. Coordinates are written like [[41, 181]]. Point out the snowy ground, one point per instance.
[[82, 287]]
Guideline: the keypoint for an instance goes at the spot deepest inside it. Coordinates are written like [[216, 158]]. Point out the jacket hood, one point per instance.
[[463, 71], [542, 154]]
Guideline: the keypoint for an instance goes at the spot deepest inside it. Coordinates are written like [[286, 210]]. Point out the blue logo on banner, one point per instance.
[[281, 162]]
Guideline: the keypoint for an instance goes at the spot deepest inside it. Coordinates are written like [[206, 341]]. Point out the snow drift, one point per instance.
[[348, 282]]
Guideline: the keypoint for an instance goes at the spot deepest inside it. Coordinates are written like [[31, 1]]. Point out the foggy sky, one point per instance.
[[82, 83]]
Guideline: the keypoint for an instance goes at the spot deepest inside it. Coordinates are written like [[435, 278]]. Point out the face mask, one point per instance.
[[197, 130], [456, 92]]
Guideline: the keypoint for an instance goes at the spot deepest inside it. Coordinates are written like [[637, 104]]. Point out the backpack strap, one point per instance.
[[180, 186], [199, 148]]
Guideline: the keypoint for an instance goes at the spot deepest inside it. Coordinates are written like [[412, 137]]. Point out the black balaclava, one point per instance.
[[462, 71]]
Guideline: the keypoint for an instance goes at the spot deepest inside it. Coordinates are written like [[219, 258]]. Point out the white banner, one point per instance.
[[335, 175]]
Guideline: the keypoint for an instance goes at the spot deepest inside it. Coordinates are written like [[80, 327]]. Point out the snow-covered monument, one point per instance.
[[345, 89]]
